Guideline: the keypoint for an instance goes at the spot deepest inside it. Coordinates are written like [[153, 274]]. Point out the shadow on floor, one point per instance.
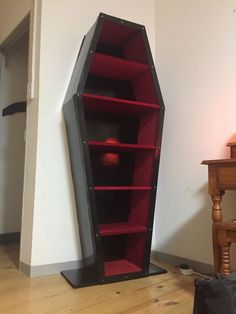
[[9, 254]]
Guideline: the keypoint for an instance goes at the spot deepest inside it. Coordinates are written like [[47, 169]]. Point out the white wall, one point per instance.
[[12, 147], [196, 62], [55, 232]]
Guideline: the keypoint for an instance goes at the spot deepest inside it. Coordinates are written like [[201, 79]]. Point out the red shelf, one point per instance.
[[120, 228], [120, 267], [116, 68], [116, 105], [121, 188], [119, 146]]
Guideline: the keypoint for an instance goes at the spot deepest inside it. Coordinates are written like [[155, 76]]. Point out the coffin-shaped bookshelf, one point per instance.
[[114, 117]]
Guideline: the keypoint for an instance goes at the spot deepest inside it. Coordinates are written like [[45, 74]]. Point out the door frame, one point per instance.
[[31, 20]]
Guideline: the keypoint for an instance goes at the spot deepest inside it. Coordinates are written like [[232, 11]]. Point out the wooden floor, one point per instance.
[[170, 293]]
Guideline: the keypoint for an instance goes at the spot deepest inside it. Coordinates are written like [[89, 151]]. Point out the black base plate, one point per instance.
[[79, 278], [156, 270]]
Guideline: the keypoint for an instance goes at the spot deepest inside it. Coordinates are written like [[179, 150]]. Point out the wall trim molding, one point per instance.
[[176, 260], [49, 269], [52, 269], [12, 237]]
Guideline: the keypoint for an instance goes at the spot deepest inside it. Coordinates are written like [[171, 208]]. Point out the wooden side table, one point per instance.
[[222, 177]]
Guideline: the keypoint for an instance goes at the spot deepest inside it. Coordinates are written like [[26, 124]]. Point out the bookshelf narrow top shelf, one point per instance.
[[116, 105], [116, 68], [120, 228]]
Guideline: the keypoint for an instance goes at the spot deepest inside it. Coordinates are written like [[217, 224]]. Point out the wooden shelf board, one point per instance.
[[116, 105], [120, 228], [117, 68], [122, 188], [96, 145]]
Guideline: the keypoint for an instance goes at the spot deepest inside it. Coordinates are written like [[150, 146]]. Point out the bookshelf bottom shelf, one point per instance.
[[83, 277], [119, 267]]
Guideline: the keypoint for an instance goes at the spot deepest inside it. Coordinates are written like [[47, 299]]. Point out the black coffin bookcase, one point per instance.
[[114, 117]]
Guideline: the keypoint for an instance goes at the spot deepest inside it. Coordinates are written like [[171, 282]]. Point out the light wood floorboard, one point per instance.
[[169, 293]]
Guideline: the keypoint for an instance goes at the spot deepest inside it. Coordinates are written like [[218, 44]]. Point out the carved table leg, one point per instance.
[[216, 249], [216, 217], [225, 259], [224, 249], [216, 209]]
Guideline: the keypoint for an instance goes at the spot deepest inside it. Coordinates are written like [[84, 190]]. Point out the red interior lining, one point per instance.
[[115, 33], [116, 105], [116, 68], [144, 88], [147, 133], [126, 37], [135, 248], [139, 208], [125, 188], [143, 169], [120, 228], [135, 49], [118, 267], [119, 147]]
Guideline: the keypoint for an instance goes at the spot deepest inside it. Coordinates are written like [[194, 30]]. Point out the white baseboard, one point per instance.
[[177, 260]]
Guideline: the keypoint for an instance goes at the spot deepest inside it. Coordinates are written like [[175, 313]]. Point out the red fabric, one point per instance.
[[116, 68], [116, 105], [135, 248], [139, 208], [143, 169], [120, 147], [148, 125], [120, 267], [115, 33], [144, 88], [120, 228], [119, 188], [135, 50]]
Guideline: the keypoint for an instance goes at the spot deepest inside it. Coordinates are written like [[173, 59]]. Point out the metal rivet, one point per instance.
[[84, 142], [90, 188], [96, 235], [91, 51]]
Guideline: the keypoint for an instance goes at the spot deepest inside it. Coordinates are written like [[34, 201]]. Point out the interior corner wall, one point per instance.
[[196, 48], [55, 232], [13, 84]]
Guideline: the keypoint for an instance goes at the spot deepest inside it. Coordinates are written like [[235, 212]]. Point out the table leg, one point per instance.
[[216, 217], [216, 250], [216, 209], [225, 259]]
